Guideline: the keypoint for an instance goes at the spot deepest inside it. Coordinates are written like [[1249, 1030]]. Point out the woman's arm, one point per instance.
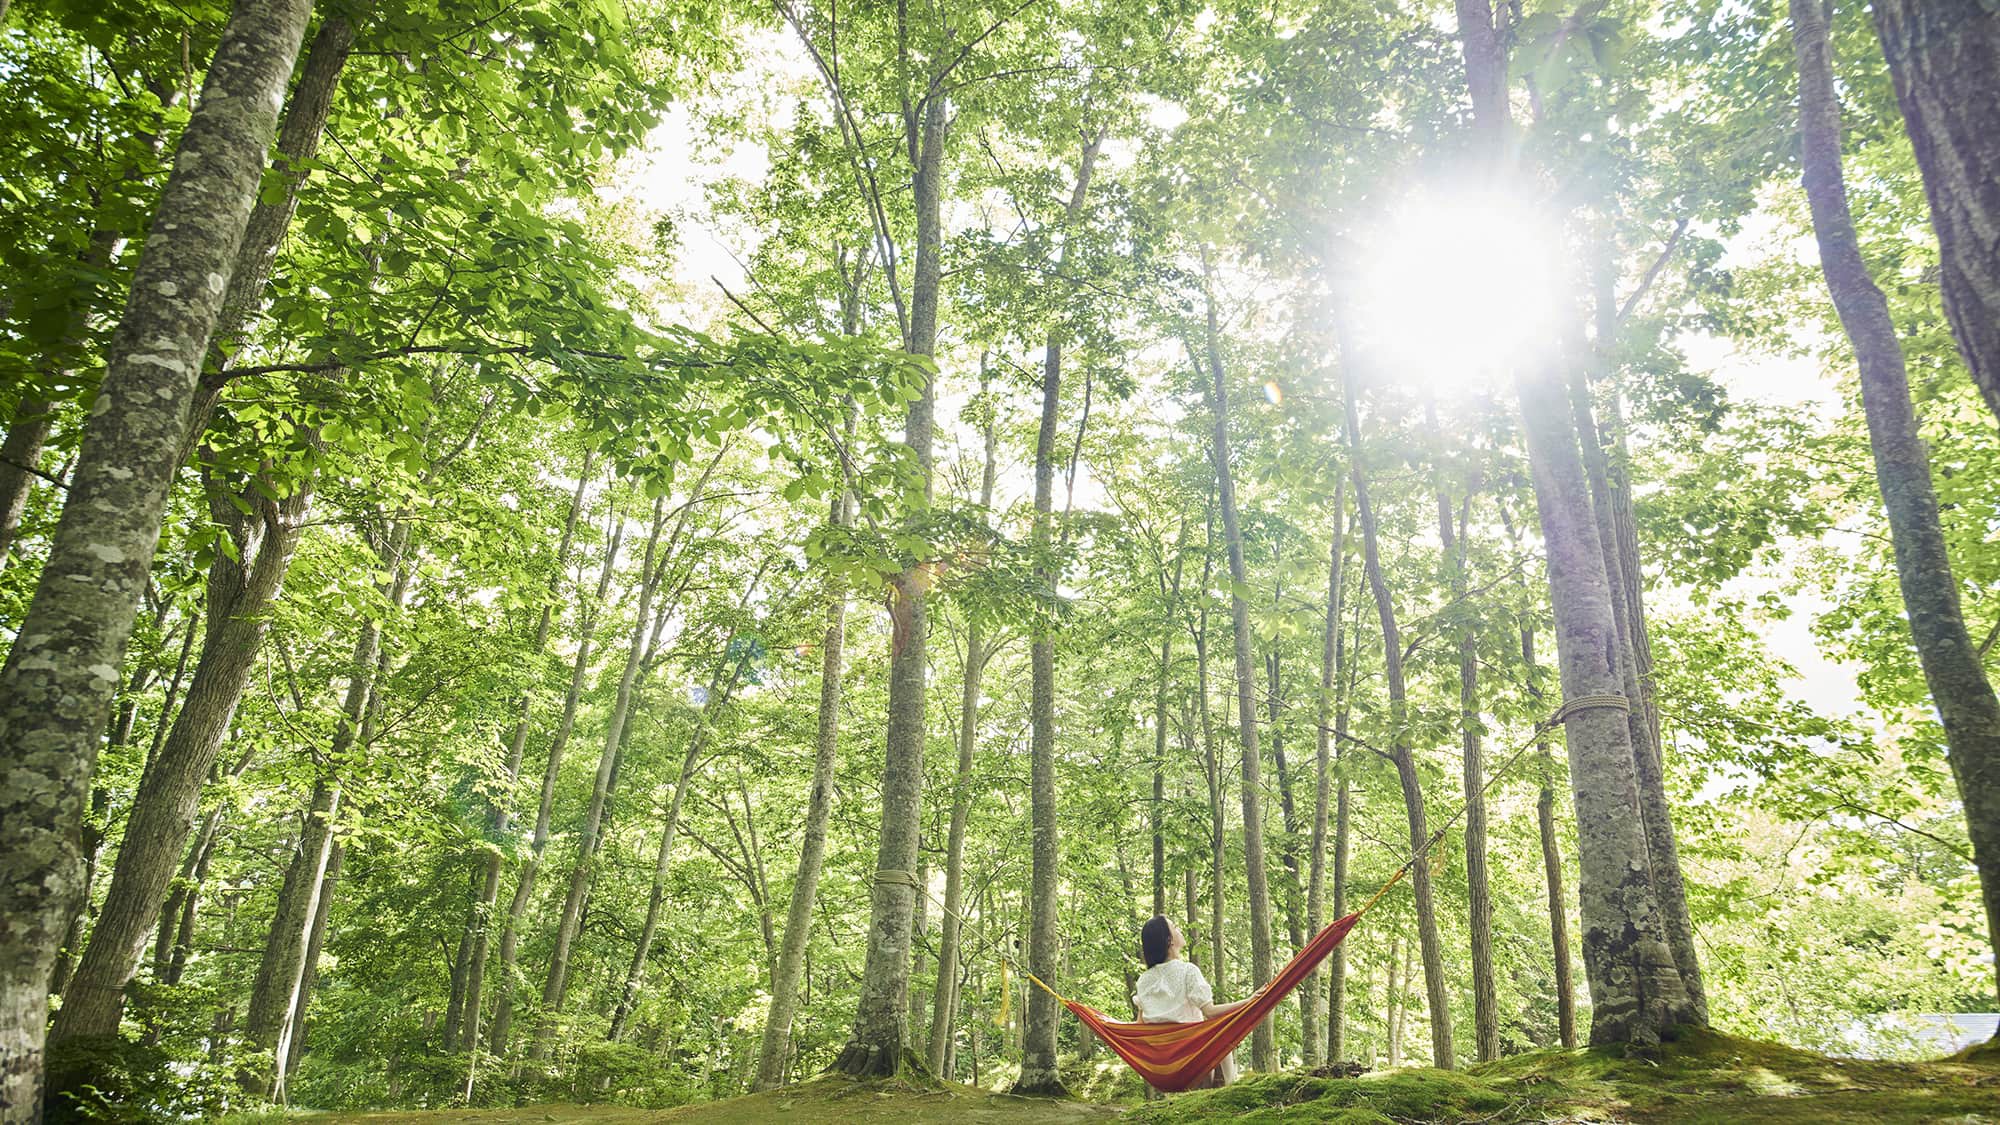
[[1210, 1011]]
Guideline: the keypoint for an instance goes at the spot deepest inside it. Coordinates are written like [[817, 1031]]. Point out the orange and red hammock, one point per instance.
[[1174, 1056]]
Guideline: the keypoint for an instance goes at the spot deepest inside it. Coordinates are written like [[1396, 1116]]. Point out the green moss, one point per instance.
[[1701, 1078]]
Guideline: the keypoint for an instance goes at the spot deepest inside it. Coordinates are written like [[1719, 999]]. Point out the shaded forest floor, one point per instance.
[[1705, 1078]]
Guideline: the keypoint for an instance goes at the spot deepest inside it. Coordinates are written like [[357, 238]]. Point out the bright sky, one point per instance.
[[681, 162]]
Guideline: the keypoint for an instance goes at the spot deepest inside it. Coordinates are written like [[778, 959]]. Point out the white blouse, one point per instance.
[[1172, 992]]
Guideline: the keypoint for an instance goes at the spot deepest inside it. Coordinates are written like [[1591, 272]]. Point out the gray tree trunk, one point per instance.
[[1039, 1074], [774, 1057], [295, 1044], [944, 997], [720, 687], [1479, 894], [557, 982], [774, 1054], [879, 1042], [1635, 984], [1944, 56], [276, 991], [1218, 834], [63, 666], [1263, 1044], [1966, 704], [1662, 850], [240, 594], [1429, 946], [1325, 764]]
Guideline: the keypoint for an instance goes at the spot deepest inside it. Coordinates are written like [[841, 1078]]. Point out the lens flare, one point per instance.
[[1458, 288]]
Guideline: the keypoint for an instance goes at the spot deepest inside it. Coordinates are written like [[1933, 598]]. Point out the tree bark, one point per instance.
[[1263, 1045], [1944, 57], [879, 1042], [315, 945], [1966, 705], [241, 590], [1654, 808], [1326, 763], [1635, 984], [774, 1057], [1218, 836], [1158, 809], [581, 874], [63, 665], [1429, 946], [1479, 894], [1039, 1074], [944, 997]]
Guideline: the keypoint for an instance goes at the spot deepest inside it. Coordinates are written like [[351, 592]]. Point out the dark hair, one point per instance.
[[1155, 937]]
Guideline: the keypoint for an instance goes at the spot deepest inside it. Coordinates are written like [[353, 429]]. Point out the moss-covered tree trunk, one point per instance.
[[1966, 704], [63, 666]]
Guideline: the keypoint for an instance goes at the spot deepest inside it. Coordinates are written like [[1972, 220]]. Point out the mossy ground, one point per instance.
[[1702, 1079]]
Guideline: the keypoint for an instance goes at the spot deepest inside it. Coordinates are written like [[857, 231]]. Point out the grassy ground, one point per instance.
[[1706, 1078]]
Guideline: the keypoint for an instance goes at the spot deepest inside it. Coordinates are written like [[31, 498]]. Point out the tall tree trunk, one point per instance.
[[1263, 1045], [1552, 865], [581, 874], [1479, 894], [524, 889], [294, 1042], [277, 991], [879, 1042], [793, 965], [1635, 984], [944, 997], [775, 1055], [1158, 808], [1325, 765], [63, 666], [1649, 767], [1944, 56], [1218, 835], [1965, 700], [1288, 853], [1428, 943], [478, 929], [1039, 1074], [239, 596]]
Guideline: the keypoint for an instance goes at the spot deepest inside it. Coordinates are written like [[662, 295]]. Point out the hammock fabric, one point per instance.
[[1174, 1056]]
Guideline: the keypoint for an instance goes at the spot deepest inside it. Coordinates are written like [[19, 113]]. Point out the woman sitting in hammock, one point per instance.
[[1172, 990]]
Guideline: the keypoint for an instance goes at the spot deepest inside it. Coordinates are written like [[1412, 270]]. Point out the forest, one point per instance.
[[597, 558]]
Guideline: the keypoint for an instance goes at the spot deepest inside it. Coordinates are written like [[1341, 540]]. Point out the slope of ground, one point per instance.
[[1703, 1079]]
